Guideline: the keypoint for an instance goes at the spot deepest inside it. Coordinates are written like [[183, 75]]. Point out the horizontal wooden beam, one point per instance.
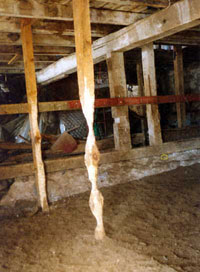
[[178, 17], [38, 58], [36, 10], [38, 50], [20, 66], [62, 164], [54, 27], [189, 37], [99, 103], [38, 40], [130, 3]]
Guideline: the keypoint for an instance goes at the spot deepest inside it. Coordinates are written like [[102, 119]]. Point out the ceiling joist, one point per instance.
[[35, 10], [181, 16]]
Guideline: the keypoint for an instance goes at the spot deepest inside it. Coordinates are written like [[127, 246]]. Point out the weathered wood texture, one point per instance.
[[62, 164], [152, 3], [99, 103], [61, 28], [179, 85], [117, 85], [31, 89], [86, 92], [55, 11], [142, 109], [180, 16], [150, 89]]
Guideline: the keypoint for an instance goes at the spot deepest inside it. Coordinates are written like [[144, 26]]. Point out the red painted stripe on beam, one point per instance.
[[100, 103]]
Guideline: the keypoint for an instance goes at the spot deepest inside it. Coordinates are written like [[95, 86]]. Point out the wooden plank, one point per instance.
[[38, 40], [140, 82], [188, 37], [85, 73], [38, 50], [117, 86], [185, 15], [62, 164], [19, 58], [99, 103], [38, 10], [150, 89], [31, 89], [150, 3], [54, 27], [179, 85]]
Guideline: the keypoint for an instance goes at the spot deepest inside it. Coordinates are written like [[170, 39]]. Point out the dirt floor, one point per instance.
[[152, 225]]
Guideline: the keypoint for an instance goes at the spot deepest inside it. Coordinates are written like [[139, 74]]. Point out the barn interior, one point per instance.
[[99, 94]]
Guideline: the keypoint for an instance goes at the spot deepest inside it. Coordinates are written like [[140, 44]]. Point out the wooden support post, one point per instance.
[[149, 74], [179, 84], [117, 83], [31, 89], [140, 82], [85, 67]]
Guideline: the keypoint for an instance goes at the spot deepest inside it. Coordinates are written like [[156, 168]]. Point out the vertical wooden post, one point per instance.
[[31, 90], [150, 89], [179, 84], [140, 82], [117, 84], [81, 14]]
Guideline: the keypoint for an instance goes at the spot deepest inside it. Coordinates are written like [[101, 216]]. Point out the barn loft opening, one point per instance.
[[95, 94]]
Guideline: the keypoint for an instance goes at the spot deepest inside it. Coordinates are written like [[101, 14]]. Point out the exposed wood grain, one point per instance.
[[57, 28], [55, 11], [38, 40], [151, 3], [86, 92], [31, 89], [150, 89], [180, 16], [62, 164], [117, 86], [99, 103]]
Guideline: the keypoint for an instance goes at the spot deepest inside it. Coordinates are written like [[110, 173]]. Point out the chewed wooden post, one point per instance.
[[31, 90], [86, 92]]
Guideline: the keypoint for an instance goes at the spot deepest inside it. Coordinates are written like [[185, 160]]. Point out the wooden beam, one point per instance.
[[38, 50], [62, 164], [38, 40], [36, 10], [150, 89], [54, 27], [185, 15], [31, 89], [150, 3], [99, 103], [86, 92], [179, 85], [20, 66], [117, 86], [140, 82], [188, 37]]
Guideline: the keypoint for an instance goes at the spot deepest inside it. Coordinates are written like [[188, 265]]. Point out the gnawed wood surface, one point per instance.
[[31, 89], [86, 92]]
